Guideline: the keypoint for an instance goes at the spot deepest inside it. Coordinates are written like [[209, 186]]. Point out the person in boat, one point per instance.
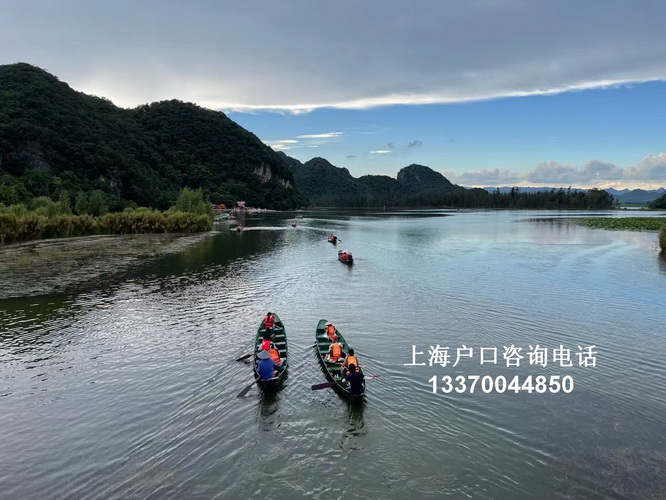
[[266, 342], [269, 321], [332, 332], [275, 356], [335, 353], [266, 367], [239, 227], [333, 238], [356, 381], [350, 359]]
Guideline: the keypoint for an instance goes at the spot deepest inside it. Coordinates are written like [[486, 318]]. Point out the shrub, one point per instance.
[[662, 239], [8, 226]]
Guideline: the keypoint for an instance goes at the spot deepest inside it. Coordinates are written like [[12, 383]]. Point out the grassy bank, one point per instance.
[[33, 226], [630, 224], [46, 218]]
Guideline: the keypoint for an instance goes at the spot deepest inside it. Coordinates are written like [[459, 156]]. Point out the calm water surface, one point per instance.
[[127, 388]]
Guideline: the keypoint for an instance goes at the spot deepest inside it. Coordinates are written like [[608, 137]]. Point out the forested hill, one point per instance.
[[53, 138], [327, 185]]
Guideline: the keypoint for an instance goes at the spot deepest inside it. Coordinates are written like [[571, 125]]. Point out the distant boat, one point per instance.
[[221, 217], [333, 239], [239, 227], [293, 224], [345, 257]]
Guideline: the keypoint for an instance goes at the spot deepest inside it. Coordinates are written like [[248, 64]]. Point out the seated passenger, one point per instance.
[[266, 342], [275, 356], [331, 332], [350, 360], [266, 366], [335, 352], [269, 321]]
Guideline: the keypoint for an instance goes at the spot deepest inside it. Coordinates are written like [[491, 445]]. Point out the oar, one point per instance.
[[326, 385], [244, 357], [246, 390]]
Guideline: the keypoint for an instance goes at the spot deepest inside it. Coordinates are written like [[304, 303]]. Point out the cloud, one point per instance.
[[414, 144], [592, 172], [327, 135], [381, 152], [650, 168], [595, 173], [251, 56], [350, 156], [485, 177]]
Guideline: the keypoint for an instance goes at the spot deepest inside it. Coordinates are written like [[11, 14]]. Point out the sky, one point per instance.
[[487, 92]]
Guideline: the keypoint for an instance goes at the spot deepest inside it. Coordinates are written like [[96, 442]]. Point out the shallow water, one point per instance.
[[127, 389]]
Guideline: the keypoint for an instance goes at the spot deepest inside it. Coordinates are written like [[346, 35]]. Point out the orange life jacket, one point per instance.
[[336, 351], [269, 321], [352, 359], [265, 345], [330, 330], [275, 356]]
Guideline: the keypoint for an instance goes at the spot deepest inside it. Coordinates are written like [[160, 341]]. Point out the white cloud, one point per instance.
[[327, 135], [650, 168], [251, 55], [485, 177], [381, 152], [650, 172]]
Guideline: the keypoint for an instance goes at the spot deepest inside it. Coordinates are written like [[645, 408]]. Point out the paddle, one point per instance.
[[326, 385], [244, 357], [246, 390]]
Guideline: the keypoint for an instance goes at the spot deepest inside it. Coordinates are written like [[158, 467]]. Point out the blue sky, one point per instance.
[[489, 92], [620, 126]]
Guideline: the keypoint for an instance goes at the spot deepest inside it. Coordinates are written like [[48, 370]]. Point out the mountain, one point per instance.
[[638, 195], [416, 178], [53, 138], [327, 185]]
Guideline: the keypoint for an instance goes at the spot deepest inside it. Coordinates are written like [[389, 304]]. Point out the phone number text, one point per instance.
[[476, 383]]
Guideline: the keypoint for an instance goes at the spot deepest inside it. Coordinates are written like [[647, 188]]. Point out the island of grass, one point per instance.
[[628, 224]]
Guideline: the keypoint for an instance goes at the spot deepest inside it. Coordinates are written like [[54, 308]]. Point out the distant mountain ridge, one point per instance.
[[327, 185], [622, 195]]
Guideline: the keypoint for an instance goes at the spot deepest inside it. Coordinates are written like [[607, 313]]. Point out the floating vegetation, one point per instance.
[[623, 223]]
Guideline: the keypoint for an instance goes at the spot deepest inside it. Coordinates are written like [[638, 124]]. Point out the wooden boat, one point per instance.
[[333, 370], [333, 239], [349, 260], [293, 224], [239, 228], [280, 340]]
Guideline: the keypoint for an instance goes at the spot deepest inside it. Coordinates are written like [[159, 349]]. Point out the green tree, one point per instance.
[[193, 201]]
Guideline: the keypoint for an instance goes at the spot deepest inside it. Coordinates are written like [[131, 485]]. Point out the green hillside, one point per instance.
[[53, 138]]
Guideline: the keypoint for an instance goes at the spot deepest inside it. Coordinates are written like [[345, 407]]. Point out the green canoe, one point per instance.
[[280, 340], [333, 370]]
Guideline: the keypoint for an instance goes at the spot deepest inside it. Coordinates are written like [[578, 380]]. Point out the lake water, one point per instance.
[[126, 388]]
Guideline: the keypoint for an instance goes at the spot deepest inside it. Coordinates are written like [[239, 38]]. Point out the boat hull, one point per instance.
[[280, 340], [333, 370]]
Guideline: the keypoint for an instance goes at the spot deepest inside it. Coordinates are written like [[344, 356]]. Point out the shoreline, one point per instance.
[[44, 267]]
